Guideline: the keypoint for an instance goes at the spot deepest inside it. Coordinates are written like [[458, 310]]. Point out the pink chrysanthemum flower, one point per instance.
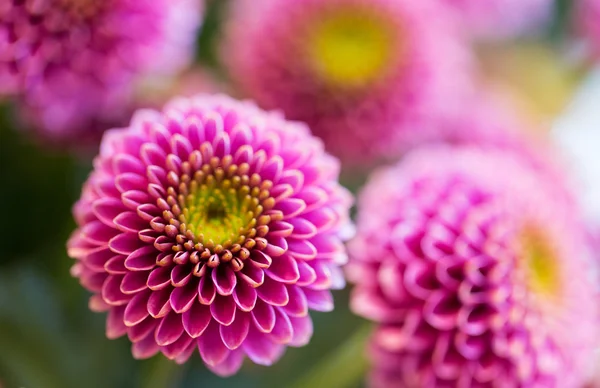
[[586, 20], [213, 226], [74, 63], [362, 73], [477, 273], [501, 19]]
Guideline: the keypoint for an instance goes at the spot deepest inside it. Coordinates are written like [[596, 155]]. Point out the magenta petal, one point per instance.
[[273, 292], [196, 319], [284, 269], [129, 222], [297, 306], [134, 282], [137, 309], [125, 243], [263, 316], [261, 349], [323, 280], [245, 296], [224, 279], [187, 353], [282, 331], [130, 181], [123, 163], [181, 275], [319, 300], [169, 329], [234, 334], [291, 207], [206, 290], [223, 310], [211, 347], [230, 365], [302, 228], [261, 259], [116, 265], [252, 274], [173, 350], [141, 259], [111, 291], [142, 330], [106, 209], [159, 278], [307, 273], [302, 249], [97, 258], [182, 298], [145, 348], [98, 233], [303, 330], [115, 327], [158, 303]]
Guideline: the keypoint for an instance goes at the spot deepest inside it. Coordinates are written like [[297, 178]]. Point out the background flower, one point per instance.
[[212, 226], [74, 63], [476, 270], [366, 75]]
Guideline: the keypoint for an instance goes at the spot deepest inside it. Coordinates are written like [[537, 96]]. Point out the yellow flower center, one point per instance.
[[350, 48], [540, 262]]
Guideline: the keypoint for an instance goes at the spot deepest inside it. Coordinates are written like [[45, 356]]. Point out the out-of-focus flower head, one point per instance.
[[476, 270], [586, 16], [74, 63], [362, 73], [213, 226], [501, 19]]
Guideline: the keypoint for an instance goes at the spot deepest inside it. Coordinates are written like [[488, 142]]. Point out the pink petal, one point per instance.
[[282, 331], [302, 249], [175, 349], [141, 259], [297, 306], [111, 292], [137, 309], [159, 278], [106, 209], [223, 310], [319, 300], [245, 296], [196, 319], [263, 316], [182, 298], [134, 282], [145, 348], [212, 349], [234, 334], [224, 279], [303, 329], [169, 329], [142, 330], [261, 349], [158, 303], [284, 269], [230, 365], [206, 290], [302, 228], [273, 292], [115, 327]]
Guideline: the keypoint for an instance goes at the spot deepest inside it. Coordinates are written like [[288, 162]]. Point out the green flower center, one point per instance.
[[540, 262], [350, 48]]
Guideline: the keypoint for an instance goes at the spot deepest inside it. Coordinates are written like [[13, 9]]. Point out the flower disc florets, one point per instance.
[[212, 226]]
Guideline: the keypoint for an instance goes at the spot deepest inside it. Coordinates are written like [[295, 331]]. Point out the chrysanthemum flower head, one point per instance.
[[501, 19], [75, 62], [360, 73], [213, 226], [477, 273]]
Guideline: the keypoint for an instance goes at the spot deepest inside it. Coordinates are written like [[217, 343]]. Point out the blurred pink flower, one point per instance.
[[213, 226], [587, 23], [476, 267], [364, 74], [74, 63], [501, 19]]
